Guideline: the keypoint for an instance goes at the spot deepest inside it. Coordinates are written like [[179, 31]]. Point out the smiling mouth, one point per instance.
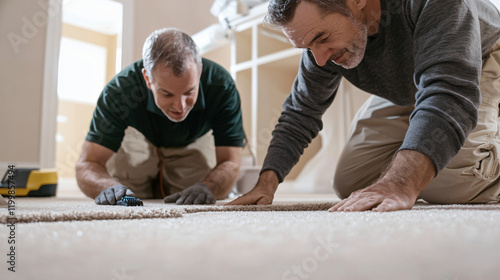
[[337, 57], [179, 114]]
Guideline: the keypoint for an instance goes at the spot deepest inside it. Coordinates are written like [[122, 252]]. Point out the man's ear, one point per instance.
[[146, 78], [358, 4]]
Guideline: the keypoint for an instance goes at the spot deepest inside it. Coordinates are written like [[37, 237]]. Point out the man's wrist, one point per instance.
[[210, 185], [268, 180], [201, 184], [410, 169]]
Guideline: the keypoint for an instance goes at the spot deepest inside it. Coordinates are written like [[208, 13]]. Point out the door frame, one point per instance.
[[48, 125]]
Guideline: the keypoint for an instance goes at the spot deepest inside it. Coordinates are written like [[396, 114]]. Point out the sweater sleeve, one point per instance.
[[108, 124], [227, 124], [447, 52], [312, 93]]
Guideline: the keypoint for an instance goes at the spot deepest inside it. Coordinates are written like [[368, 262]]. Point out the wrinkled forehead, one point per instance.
[[297, 36], [305, 22], [303, 31]]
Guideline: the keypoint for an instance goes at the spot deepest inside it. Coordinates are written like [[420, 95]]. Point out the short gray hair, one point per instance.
[[172, 48], [281, 12]]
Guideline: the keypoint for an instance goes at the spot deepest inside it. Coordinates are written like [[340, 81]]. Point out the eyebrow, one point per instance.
[[166, 91], [316, 37]]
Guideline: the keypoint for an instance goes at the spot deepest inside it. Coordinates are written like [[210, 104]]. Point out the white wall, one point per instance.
[[189, 16], [23, 29]]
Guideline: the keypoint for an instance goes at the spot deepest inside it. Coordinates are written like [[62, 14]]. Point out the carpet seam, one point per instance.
[[163, 213]]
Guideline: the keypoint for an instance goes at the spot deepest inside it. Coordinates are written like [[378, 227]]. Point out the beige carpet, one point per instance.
[[29, 210], [217, 242]]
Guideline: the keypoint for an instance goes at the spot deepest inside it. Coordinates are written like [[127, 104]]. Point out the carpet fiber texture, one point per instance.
[[29, 210], [442, 242]]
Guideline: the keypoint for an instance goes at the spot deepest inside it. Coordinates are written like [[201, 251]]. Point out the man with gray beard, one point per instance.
[[431, 129]]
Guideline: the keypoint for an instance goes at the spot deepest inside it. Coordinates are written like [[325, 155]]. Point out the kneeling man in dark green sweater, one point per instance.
[[168, 126]]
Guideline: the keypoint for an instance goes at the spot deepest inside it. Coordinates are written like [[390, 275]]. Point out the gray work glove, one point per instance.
[[196, 194], [112, 194]]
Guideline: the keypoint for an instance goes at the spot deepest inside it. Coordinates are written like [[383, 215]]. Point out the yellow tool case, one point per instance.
[[29, 182]]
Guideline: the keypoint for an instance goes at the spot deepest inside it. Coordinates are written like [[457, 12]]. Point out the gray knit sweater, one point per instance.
[[428, 53]]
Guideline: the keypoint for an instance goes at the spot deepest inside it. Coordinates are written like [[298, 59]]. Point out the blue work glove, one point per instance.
[[196, 194], [112, 194]]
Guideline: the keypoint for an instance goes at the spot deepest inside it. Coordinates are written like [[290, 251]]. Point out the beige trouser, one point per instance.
[[136, 164], [379, 128]]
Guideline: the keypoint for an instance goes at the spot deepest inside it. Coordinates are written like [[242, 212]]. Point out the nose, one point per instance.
[[180, 104], [321, 54]]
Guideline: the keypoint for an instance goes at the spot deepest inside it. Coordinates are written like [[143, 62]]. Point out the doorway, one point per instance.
[[90, 55]]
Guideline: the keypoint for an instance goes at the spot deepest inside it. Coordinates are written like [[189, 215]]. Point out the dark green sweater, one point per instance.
[[126, 101]]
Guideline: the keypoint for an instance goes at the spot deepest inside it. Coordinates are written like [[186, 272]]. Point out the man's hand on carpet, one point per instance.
[[262, 193], [377, 197], [198, 193], [398, 189], [254, 197], [112, 194]]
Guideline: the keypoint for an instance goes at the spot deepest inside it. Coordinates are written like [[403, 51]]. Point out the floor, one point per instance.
[[428, 242]]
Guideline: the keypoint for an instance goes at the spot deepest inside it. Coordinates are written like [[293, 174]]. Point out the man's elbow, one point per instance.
[[80, 167]]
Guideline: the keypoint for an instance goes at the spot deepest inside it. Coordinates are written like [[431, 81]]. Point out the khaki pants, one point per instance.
[[378, 131], [136, 164]]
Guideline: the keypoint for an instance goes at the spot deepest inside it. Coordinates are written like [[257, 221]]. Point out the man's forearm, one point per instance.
[[93, 178], [222, 178]]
